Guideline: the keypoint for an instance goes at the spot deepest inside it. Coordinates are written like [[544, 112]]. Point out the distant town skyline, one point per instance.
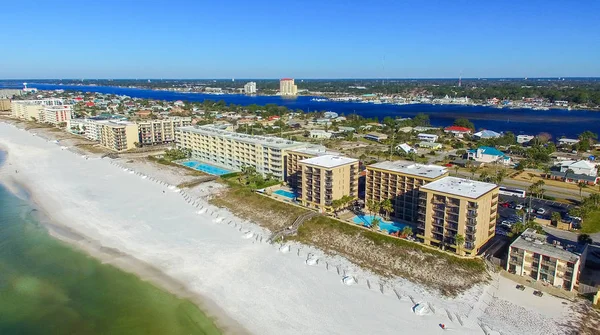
[[310, 39]]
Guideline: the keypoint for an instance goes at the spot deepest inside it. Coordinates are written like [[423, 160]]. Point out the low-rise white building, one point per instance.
[[524, 138], [320, 134], [567, 141], [405, 148], [427, 137], [579, 167]]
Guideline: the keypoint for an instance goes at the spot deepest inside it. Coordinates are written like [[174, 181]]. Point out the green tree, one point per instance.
[[407, 231], [581, 185], [555, 217], [500, 175], [463, 122], [387, 207], [459, 241], [375, 223]]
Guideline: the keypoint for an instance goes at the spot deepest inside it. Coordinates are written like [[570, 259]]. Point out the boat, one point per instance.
[[319, 99]]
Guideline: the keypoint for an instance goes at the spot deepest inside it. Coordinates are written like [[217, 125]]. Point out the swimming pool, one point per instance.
[[390, 226], [286, 194], [206, 168]]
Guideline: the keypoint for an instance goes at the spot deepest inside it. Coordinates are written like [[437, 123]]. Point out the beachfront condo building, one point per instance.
[[118, 135], [33, 110], [399, 181], [86, 127], [294, 156], [233, 150], [327, 178], [287, 87], [250, 88], [453, 206], [535, 256], [57, 114], [161, 131]]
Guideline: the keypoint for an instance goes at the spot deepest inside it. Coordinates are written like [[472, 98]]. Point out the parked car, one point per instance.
[[538, 293], [541, 211], [520, 287], [505, 204], [518, 207], [529, 210]]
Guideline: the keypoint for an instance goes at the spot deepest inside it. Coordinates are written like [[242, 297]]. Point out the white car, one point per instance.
[[519, 207], [541, 211]]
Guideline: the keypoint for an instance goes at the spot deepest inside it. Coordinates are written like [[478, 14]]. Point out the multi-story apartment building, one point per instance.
[[33, 109], [533, 256], [233, 150], [327, 178], [250, 88], [161, 131], [57, 114], [118, 135], [294, 156], [88, 127], [453, 206], [399, 181], [287, 87]]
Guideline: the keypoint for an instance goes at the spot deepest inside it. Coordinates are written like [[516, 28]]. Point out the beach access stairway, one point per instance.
[[293, 229]]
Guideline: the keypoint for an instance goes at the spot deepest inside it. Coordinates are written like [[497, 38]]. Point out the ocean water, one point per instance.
[[520, 121], [47, 287]]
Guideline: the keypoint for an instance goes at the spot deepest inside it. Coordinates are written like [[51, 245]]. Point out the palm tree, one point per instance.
[[459, 241], [335, 204], [473, 169], [500, 175], [581, 186], [387, 207], [546, 170], [407, 231], [555, 217], [375, 223], [456, 170], [373, 207], [568, 172]]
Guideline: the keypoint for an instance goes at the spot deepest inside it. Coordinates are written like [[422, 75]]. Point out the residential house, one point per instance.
[[488, 155], [376, 137], [457, 131], [484, 134], [320, 134], [427, 137], [524, 138], [430, 145], [405, 148]]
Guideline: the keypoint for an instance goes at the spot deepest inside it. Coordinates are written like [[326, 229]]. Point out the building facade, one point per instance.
[[399, 181], [57, 114], [250, 88], [293, 158], [453, 206], [117, 135], [33, 109], [532, 255], [287, 87], [233, 150], [153, 132], [327, 178]]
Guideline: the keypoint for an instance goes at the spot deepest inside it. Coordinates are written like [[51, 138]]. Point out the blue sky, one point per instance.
[[301, 39]]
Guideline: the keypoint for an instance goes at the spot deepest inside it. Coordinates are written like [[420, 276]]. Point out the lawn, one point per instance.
[[592, 223]]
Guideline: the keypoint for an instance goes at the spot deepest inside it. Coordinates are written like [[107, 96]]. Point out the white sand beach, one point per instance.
[[248, 284]]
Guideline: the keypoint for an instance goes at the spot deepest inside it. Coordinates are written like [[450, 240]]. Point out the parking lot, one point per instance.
[[509, 214]]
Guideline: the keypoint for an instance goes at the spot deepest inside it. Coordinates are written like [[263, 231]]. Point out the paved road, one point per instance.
[[554, 191]]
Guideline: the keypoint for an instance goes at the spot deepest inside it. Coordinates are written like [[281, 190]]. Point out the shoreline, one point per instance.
[[270, 289], [119, 259]]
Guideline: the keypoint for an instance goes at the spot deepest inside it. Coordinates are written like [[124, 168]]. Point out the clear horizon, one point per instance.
[[332, 40]]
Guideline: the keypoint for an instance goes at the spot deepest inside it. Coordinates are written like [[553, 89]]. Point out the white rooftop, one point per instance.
[[412, 168], [316, 150], [329, 161], [541, 244], [273, 142], [461, 187]]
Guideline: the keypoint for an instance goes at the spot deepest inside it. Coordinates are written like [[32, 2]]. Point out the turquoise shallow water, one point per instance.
[[46, 287]]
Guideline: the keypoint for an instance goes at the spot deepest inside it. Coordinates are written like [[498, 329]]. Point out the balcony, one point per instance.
[[472, 214], [472, 205], [471, 230]]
